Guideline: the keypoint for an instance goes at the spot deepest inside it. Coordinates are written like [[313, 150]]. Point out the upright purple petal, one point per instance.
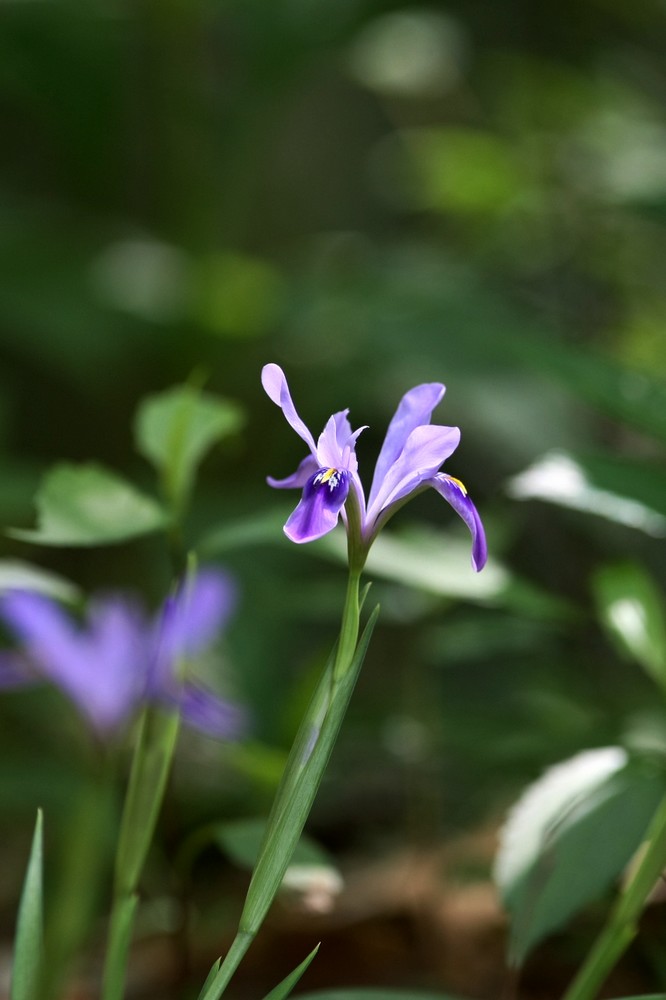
[[274, 382], [455, 493], [191, 620], [319, 509], [424, 451], [415, 409]]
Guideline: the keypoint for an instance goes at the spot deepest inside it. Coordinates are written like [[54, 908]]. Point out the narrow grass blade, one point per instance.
[[29, 943], [115, 968], [283, 989]]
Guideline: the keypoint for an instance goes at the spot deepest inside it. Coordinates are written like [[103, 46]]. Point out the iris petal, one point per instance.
[[214, 716], [424, 451], [274, 382], [414, 410], [298, 479], [455, 493], [319, 508]]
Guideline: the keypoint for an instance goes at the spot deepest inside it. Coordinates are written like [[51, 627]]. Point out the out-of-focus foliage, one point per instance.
[[371, 194]]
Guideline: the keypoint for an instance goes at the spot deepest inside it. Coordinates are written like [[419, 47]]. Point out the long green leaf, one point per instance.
[[120, 935], [283, 989], [302, 776], [29, 943]]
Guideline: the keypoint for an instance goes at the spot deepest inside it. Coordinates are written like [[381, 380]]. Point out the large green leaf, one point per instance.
[[28, 942], [174, 430], [81, 505], [569, 836], [631, 608]]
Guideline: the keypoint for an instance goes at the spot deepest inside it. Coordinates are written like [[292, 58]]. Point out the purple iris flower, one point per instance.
[[119, 660], [409, 462]]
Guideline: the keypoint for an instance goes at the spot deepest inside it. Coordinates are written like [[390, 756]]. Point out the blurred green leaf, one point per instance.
[[237, 295], [174, 430], [28, 943], [565, 816], [462, 169], [633, 396], [283, 989], [17, 575], [81, 505], [632, 609], [570, 481], [241, 840]]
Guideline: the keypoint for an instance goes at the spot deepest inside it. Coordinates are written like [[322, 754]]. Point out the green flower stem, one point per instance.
[[151, 763], [300, 781], [622, 925], [85, 859]]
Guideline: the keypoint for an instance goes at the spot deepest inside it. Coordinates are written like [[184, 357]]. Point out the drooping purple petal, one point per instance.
[[319, 508], [274, 382], [455, 493], [211, 715], [298, 479], [424, 451], [414, 410]]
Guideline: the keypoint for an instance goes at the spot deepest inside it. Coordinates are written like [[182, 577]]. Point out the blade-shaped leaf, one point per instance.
[[82, 505], [630, 606], [556, 854], [174, 430], [283, 989], [302, 776], [571, 481], [28, 943]]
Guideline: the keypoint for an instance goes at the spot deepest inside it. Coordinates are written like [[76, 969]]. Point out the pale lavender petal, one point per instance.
[[336, 444], [37, 622], [298, 479], [319, 508], [190, 622], [424, 451], [455, 493], [210, 714], [108, 679], [97, 670], [414, 410], [274, 382]]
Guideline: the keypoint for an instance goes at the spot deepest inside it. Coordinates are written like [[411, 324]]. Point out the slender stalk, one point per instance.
[[153, 753], [622, 924], [300, 781]]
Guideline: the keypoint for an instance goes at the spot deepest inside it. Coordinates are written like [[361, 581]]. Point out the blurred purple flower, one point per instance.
[[409, 462], [119, 659]]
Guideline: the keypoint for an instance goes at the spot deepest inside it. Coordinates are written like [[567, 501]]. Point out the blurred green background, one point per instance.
[[371, 194]]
